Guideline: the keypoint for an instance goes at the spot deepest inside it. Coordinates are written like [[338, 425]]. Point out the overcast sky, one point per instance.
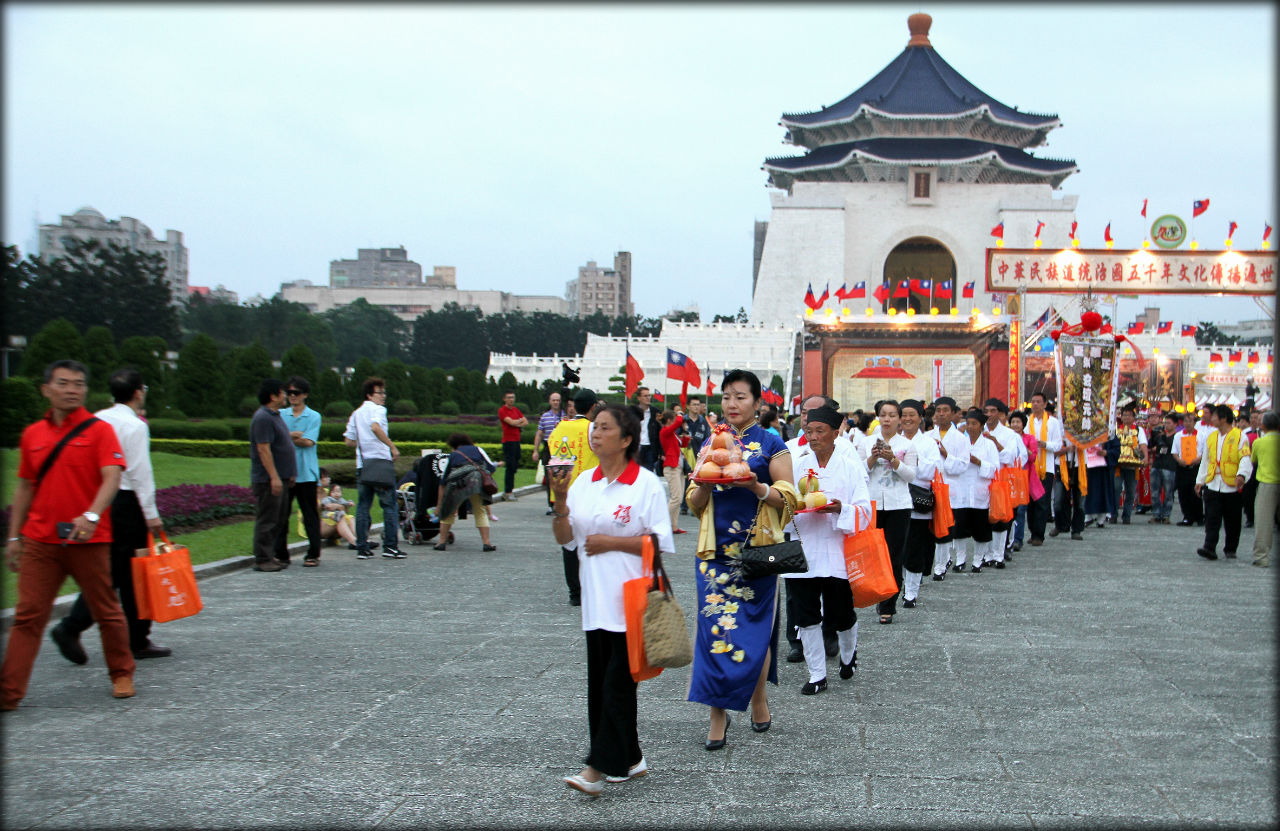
[[518, 142]]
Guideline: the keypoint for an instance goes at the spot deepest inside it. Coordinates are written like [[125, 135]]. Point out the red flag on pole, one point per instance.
[[998, 231], [1144, 209], [1072, 235], [634, 375], [1039, 228], [921, 287], [902, 290], [1136, 327], [1266, 231], [1198, 207], [967, 291], [881, 294], [1231, 230], [1215, 357], [1235, 355], [1106, 235], [810, 300], [1253, 357], [1164, 327], [681, 368], [1188, 330], [710, 388], [826, 293]]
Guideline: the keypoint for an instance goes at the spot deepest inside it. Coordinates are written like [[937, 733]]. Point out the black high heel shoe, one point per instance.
[[716, 744]]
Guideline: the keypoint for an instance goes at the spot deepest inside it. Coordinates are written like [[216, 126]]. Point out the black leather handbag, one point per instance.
[[921, 498], [779, 558]]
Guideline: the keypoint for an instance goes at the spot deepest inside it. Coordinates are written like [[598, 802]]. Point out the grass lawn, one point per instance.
[[206, 546]]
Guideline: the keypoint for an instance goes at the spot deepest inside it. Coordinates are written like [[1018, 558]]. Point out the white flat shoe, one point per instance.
[[639, 769], [592, 789]]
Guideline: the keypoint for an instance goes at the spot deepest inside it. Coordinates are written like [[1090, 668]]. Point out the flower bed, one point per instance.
[[185, 505]]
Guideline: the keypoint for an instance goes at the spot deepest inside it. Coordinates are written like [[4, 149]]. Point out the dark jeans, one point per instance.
[[1038, 510], [511, 463], [895, 525], [611, 704], [1129, 491], [271, 516], [544, 456], [305, 493], [1192, 506], [649, 459], [1162, 491], [1222, 510], [390, 515], [570, 556], [1248, 495], [1069, 504], [1019, 524], [128, 533]]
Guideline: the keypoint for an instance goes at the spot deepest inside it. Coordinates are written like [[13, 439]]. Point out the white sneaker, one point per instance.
[[639, 769], [589, 788]]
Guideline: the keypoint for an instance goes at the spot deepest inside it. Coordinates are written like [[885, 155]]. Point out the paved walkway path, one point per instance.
[[1114, 682]]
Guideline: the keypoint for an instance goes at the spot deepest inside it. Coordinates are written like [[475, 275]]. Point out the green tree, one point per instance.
[[449, 337], [326, 389], [250, 366], [96, 283], [144, 354], [362, 330], [300, 360], [200, 383], [22, 404], [58, 339], [438, 389], [355, 386], [1208, 334], [100, 350], [396, 374], [776, 383], [228, 324]]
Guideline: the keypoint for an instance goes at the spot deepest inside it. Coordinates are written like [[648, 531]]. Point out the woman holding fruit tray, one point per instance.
[[833, 481], [742, 493]]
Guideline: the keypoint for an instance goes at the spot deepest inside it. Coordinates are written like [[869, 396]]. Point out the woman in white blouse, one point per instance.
[[971, 494], [918, 554], [607, 513], [823, 590], [890, 459]]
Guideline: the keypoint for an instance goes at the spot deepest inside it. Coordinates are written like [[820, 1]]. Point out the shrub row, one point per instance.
[[409, 450], [401, 431]]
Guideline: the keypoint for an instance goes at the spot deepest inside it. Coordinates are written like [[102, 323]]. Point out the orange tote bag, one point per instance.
[[866, 560], [635, 599], [1001, 507], [943, 519], [164, 584], [1020, 485]]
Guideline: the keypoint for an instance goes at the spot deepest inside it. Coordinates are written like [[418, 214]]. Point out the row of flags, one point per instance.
[[1237, 355], [1163, 327], [680, 367], [923, 288], [1201, 205]]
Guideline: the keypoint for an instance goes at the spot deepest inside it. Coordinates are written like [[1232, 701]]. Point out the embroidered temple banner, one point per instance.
[[1087, 384]]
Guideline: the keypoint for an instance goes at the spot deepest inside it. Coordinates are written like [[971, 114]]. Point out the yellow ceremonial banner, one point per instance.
[[1087, 377]]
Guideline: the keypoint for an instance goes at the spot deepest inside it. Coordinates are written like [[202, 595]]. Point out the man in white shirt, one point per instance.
[[953, 446], [1225, 466], [1046, 430], [367, 432], [1012, 454], [133, 516]]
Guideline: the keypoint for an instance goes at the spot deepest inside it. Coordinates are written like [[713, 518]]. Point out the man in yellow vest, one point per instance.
[[1225, 466]]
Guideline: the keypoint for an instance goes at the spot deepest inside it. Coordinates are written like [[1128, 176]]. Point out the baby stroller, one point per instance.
[[417, 495]]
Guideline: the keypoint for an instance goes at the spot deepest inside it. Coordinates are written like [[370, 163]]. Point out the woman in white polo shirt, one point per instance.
[[607, 513]]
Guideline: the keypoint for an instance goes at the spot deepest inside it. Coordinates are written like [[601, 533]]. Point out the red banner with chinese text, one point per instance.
[[1073, 270]]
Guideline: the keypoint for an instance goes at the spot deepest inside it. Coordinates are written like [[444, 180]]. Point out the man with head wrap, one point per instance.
[[1012, 455], [953, 447]]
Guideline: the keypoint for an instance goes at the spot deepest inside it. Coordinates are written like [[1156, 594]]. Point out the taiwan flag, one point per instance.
[[902, 291], [826, 293], [859, 291], [1188, 331], [634, 375], [881, 293], [943, 290], [1215, 357], [1253, 357], [682, 368], [1164, 327], [967, 291], [1198, 207], [810, 300], [710, 388], [1235, 355], [1106, 234], [1136, 327], [921, 287], [1231, 230], [842, 293], [1266, 232], [998, 231]]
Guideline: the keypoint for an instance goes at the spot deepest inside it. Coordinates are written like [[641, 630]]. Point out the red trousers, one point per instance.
[[42, 570]]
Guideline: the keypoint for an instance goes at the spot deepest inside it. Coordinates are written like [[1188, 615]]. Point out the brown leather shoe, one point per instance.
[[122, 687]]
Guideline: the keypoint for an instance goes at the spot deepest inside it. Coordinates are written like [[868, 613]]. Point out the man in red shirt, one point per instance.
[[511, 419], [64, 529]]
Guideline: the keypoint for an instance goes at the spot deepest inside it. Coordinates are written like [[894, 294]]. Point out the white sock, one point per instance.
[[848, 640], [981, 553], [998, 541], [961, 551], [941, 554], [815, 651], [911, 584]]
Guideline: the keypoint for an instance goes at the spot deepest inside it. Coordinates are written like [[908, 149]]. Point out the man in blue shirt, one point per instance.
[[303, 424]]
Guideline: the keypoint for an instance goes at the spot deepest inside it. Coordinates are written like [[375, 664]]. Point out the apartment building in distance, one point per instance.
[[375, 267], [599, 289], [89, 224]]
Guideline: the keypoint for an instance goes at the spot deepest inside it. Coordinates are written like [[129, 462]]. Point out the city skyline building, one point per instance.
[[127, 232], [599, 289]]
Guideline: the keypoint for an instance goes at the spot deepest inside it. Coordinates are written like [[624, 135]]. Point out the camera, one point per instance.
[[571, 376], [65, 530]]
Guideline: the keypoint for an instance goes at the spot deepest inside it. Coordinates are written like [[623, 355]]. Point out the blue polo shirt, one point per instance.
[[308, 457]]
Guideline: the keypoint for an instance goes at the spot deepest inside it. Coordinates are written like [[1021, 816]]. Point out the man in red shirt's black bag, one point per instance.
[[68, 474]]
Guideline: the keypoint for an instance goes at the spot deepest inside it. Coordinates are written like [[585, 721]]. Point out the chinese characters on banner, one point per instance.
[[1087, 376], [1131, 272], [1015, 364]]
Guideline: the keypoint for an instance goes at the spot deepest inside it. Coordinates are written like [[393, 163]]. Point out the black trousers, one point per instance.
[[1069, 508], [1249, 493], [793, 637], [822, 599], [128, 533], [918, 556], [544, 456], [305, 493], [570, 556], [1191, 504], [611, 704], [896, 525], [649, 458], [1222, 510], [510, 463], [1038, 509], [271, 515]]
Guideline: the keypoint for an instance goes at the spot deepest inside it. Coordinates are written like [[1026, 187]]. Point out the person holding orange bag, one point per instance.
[[953, 448], [823, 591], [1012, 454], [607, 513], [919, 550], [890, 461], [971, 494]]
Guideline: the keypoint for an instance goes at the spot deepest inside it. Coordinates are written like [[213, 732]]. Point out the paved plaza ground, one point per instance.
[[1121, 681]]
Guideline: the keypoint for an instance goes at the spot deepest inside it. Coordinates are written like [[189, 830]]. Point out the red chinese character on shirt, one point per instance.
[[623, 515]]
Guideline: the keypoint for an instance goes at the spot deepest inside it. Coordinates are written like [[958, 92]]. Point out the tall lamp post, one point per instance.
[[16, 343]]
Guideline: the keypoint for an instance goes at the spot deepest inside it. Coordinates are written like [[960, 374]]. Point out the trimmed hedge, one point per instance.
[[409, 450]]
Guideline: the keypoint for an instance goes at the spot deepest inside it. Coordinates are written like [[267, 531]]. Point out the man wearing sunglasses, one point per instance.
[[303, 424]]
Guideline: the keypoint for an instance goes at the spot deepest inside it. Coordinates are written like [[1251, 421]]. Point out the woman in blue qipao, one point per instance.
[[737, 622]]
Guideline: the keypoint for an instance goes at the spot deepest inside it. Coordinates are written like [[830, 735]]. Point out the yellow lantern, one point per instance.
[[934, 310], [893, 312], [995, 311], [911, 312]]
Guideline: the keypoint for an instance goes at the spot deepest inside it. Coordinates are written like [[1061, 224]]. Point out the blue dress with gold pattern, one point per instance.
[[737, 620]]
